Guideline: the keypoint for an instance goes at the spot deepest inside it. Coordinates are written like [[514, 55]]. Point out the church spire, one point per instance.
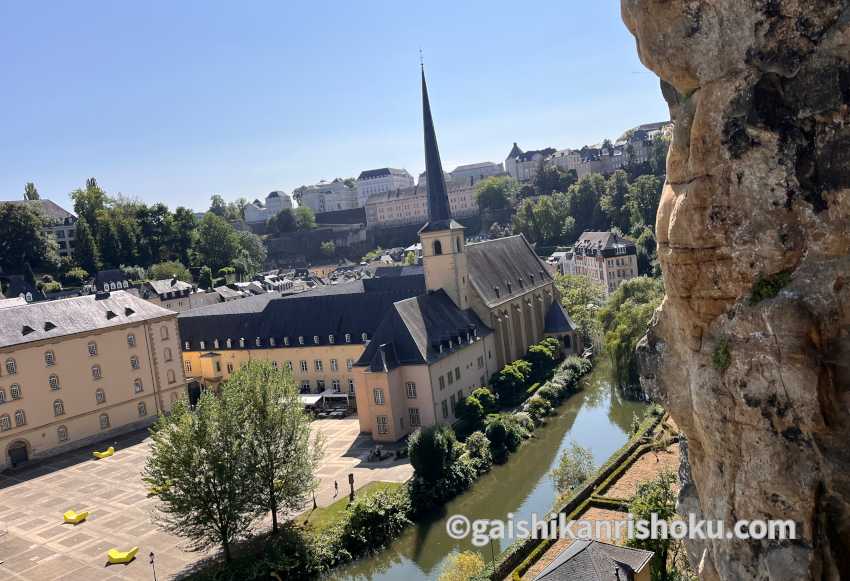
[[438, 199]]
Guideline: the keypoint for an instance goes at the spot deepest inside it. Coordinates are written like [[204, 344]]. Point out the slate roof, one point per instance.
[[225, 292], [557, 320], [529, 155], [168, 285], [115, 275], [591, 243], [412, 331], [13, 302], [410, 270], [18, 285], [515, 151], [51, 319], [48, 208], [381, 172], [497, 263], [595, 561]]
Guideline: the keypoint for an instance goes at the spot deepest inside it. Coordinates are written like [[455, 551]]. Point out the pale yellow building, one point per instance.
[[77, 371]]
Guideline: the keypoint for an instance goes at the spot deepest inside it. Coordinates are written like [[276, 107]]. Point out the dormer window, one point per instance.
[[186, 346], [110, 315], [272, 342], [258, 342], [348, 337], [316, 339], [215, 343], [128, 311], [498, 293], [203, 345], [300, 339], [229, 343], [364, 336], [242, 342], [331, 339], [286, 341], [48, 326], [27, 330]]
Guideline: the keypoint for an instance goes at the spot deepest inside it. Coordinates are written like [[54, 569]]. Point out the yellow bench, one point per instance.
[[117, 557], [105, 454], [74, 518]]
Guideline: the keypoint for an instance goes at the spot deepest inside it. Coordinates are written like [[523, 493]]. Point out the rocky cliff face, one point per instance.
[[750, 351]]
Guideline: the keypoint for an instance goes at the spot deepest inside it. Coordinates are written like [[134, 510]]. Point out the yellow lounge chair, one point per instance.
[[74, 518], [105, 454], [117, 557]]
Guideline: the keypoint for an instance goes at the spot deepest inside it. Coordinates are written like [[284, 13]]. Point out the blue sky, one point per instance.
[[175, 101]]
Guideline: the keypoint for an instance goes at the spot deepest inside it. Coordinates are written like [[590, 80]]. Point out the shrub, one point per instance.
[[550, 393], [486, 397], [497, 432], [470, 411], [432, 451], [373, 520], [575, 466], [515, 433], [524, 421], [538, 408], [76, 277], [169, 269], [721, 357], [462, 566], [50, 287], [578, 365], [478, 448], [134, 273], [767, 287]]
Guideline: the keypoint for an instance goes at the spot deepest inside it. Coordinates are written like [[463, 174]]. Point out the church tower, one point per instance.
[[443, 241]]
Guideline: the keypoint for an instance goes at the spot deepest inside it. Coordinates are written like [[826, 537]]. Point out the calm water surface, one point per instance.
[[596, 418]]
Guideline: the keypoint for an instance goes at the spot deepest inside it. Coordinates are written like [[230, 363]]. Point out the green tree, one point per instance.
[[217, 244], [76, 277], [523, 221], [655, 497], [218, 206], [304, 218], [109, 242], [86, 253], [275, 421], [585, 202], [574, 467], [462, 566], [30, 192], [125, 228], [495, 193], [169, 269], [486, 397], [328, 248], [615, 201], [551, 178], [252, 250], [644, 197], [658, 155], [23, 240], [625, 319], [283, 222], [432, 451], [470, 411], [582, 298], [156, 230], [183, 234], [203, 470], [89, 202], [205, 280]]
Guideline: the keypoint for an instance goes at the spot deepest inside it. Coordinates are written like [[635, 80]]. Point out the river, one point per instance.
[[596, 417]]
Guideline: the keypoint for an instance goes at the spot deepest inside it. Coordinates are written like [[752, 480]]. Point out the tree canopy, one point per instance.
[[496, 192], [24, 240]]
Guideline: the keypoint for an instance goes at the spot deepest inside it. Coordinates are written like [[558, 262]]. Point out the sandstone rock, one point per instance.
[[757, 198]]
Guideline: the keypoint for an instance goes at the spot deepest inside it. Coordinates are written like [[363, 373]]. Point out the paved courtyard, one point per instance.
[[38, 547]]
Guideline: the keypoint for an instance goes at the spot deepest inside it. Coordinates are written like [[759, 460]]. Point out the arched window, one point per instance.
[[62, 433], [171, 377], [166, 354], [438, 248], [15, 391], [364, 336], [58, 408], [457, 245], [104, 421], [137, 386], [348, 337], [229, 343], [5, 423], [134, 362], [163, 332], [53, 380], [143, 409], [2, 395], [20, 418], [131, 340], [95, 372], [49, 358], [92, 348], [112, 285], [11, 366], [100, 395]]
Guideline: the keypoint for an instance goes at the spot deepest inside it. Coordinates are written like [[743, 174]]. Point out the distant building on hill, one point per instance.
[[327, 196], [385, 179], [522, 165], [605, 258], [260, 212], [60, 223]]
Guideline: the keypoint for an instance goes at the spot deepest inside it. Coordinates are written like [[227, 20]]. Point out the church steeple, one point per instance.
[[438, 198]]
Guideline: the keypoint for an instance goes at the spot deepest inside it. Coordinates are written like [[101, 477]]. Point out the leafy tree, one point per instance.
[[23, 240], [614, 203], [86, 253], [89, 202], [218, 206], [109, 243], [252, 250], [486, 397], [582, 299], [478, 448], [76, 276], [584, 201], [205, 278], [470, 411], [275, 421], [169, 269], [462, 566], [30, 192], [574, 467], [183, 234], [551, 178], [625, 319], [510, 381], [283, 222], [496, 192], [644, 197], [156, 233], [126, 231], [134, 273], [523, 221], [328, 248], [304, 218], [202, 468], [658, 155], [350, 183], [410, 258], [432, 451], [656, 497], [217, 244]]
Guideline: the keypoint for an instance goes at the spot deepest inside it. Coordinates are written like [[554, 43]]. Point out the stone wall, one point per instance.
[[750, 351]]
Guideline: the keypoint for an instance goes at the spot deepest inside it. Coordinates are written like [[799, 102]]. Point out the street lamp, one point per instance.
[[153, 567]]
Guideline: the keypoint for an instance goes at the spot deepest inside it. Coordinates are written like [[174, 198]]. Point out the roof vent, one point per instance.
[[110, 315], [100, 295], [128, 311], [48, 326], [27, 330]]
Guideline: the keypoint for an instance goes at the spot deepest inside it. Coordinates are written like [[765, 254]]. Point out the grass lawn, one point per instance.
[[323, 517]]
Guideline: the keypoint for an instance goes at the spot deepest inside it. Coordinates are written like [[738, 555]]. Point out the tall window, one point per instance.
[[442, 382], [104, 421], [382, 424], [445, 406], [15, 391], [450, 377], [137, 386], [438, 248], [62, 433], [131, 340], [378, 395], [99, 395], [49, 358], [92, 347], [364, 336], [335, 386], [143, 409], [349, 364], [170, 376], [319, 365], [163, 332], [274, 364], [457, 373], [2, 395], [334, 366], [289, 366], [303, 364], [411, 390], [414, 417], [305, 386], [20, 418], [5, 423], [53, 380], [134, 362], [348, 337], [166, 354], [58, 408], [11, 366], [95, 372], [188, 366], [351, 386]]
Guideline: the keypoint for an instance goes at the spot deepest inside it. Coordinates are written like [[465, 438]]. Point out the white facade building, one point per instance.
[[258, 212], [327, 196], [376, 181], [475, 172], [410, 205]]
